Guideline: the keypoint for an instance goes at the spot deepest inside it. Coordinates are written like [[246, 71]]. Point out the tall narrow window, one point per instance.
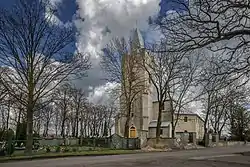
[[185, 119], [161, 132]]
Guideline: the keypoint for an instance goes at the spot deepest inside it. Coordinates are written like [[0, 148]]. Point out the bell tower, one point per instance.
[[142, 103]]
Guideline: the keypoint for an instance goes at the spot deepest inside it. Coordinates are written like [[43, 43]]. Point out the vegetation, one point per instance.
[[66, 154], [33, 57]]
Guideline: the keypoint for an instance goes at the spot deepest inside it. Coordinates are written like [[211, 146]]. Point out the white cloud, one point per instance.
[[55, 2], [102, 93], [119, 16]]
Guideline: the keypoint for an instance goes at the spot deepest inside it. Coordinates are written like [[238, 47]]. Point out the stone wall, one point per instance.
[[57, 142], [165, 134], [166, 142], [230, 143]]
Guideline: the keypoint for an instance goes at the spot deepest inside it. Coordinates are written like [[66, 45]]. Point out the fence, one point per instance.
[[118, 142], [113, 142]]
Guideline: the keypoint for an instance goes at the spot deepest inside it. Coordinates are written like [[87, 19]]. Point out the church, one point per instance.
[[144, 112]]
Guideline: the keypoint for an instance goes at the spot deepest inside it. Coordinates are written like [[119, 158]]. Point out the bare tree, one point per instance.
[[218, 92], [210, 85], [172, 75], [121, 62], [63, 103], [31, 46], [47, 114], [222, 105], [78, 99], [220, 26]]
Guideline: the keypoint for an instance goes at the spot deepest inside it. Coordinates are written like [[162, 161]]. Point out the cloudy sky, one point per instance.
[[92, 19]]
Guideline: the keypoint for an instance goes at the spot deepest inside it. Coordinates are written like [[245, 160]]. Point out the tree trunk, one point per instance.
[[207, 114], [172, 117], [77, 123], [81, 132], [8, 117], [29, 142], [126, 128], [158, 127], [173, 131], [63, 125], [18, 122], [173, 125]]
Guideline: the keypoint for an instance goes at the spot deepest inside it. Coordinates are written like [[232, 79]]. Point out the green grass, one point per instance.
[[18, 157]]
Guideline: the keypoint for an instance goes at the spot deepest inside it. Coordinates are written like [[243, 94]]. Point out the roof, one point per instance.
[[184, 112], [153, 124], [137, 39], [193, 114]]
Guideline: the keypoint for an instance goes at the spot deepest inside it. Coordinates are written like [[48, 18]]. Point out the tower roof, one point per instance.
[[137, 39]]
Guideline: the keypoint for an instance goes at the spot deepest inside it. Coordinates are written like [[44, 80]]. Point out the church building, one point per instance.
[[144, 113]]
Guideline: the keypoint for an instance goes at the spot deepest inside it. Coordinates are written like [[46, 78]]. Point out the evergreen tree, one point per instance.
[[240, 121]]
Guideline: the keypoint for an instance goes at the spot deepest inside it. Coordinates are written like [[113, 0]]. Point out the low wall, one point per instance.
[[166, 142], [57, 142], [230, 143]]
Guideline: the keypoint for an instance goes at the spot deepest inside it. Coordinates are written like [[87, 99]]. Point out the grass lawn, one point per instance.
[[43, 155]]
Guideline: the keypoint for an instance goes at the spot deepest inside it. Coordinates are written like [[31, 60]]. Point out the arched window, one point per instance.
[[132, 132]]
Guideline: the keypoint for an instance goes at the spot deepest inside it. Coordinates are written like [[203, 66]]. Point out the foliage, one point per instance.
[[240, 120], [68, 154], [74, 149], [21, 129], [65, 149], [48, 149], [10, 149], [58, 148], [3, 134]]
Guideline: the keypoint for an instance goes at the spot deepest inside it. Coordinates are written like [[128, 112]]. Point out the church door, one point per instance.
[[132, 132]]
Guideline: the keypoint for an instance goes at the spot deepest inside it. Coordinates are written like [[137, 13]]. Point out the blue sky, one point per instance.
[[119, 16], [68, 8]]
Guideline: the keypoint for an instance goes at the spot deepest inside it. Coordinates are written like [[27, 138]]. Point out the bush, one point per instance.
[[48, 149], [58, 149], [10, 149], [36, 145], [74, 149], [66, 149]]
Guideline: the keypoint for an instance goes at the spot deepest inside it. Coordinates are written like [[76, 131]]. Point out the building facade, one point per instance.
[[144, 112]]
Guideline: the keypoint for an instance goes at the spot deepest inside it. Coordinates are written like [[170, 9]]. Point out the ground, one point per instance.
[[210, 157]]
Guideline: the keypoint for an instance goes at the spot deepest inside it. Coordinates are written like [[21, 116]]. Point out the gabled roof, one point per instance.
[[192, 114]]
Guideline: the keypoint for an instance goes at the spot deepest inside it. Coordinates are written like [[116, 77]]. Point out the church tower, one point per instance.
[[142, 103]]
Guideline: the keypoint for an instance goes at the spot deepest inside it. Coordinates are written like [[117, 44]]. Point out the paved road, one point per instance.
[[216, 157]]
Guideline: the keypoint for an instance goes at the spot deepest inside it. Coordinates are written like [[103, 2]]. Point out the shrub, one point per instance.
[[48, 149], [58, 149], [74, 149], [66, 149], [10, 149]]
